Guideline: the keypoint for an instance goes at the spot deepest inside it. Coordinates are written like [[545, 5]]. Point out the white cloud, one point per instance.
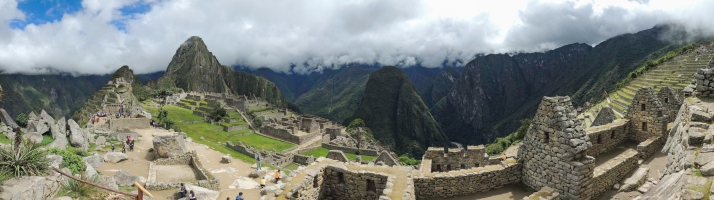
[[321, 34]]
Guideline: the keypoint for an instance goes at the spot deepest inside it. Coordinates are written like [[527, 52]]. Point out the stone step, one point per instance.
[[637, 178]]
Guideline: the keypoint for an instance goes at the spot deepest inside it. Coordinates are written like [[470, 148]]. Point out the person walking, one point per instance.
[[112, 147], [277, 176], [240, 196], [260, 160], [182, 190], [192, 196], [262, 182]]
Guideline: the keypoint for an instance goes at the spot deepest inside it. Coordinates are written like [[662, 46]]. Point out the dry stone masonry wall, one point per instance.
[[456, 158], [704, 82], [671, 102], [647, 115], [605, 116], [610, 173], [607, 137], [553, 151], [204, 177], [463, 182], [338, 182]]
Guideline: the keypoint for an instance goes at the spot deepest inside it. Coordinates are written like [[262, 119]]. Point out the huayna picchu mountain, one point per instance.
[[194, 68], [393, 110]]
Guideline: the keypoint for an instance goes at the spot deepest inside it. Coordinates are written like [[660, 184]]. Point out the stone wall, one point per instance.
[[387, 159], [610, 173], [303, 160], [350, 149], [278, 160], [352, 185], [234, 128], [678, 141], [128, 123], [464, 182], [607, 137], [671, 102], [647, 115], [337, 155], [456, 158], [605, 116], [704, 82], [334, 132], [204, 177], [553, 151], [284, 134], [650, 146]]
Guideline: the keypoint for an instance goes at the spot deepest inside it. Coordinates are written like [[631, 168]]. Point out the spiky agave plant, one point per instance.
[[23, 158], [78, 189]]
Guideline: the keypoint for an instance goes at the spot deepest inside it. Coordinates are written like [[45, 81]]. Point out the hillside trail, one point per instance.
[[229, 174]]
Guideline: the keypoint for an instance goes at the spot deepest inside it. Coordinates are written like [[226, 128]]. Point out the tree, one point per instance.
[[21, 120], [358, 130], [164, 118], [217, 114], [257, 122], [162, 93]]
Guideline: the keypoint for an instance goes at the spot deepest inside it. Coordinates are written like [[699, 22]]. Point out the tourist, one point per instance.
[[240, 196], [260, 160], [193, 196], [504, 157], [277, 176], [183, 191], [112, 147], [262, 182]]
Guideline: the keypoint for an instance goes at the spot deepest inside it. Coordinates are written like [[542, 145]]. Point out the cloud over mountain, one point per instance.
[[104, 35]]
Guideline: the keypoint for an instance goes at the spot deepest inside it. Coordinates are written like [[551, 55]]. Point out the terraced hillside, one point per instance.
[[108, 94], [676, 73]]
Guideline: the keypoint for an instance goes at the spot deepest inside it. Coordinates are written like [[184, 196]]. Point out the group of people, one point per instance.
[[192, 196], [129, 142], [95, 117], [154, 124]]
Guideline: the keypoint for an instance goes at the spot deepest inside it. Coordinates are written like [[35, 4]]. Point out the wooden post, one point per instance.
[[142, 191]]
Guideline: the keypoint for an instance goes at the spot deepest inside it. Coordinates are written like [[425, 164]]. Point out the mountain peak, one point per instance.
[[124, 72]]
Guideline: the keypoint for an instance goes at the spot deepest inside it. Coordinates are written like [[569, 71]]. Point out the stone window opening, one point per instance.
[[438, 168], [448, 168], [476, 165], [463, 166], [644, 126], [371, 187], [599, 139], [659, 113], [340, 177], [642, 107], [315, 182], [546, 139], [666, 100], [612, 135]]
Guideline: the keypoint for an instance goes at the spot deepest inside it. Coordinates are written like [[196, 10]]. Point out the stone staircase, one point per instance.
[[676, 73]]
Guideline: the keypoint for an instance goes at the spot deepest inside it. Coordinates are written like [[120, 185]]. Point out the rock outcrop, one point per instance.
[[30, 188], [115, 157], [6, 119], [33, 137], [169, 146], [125, 179], [95, 161], [77, 136]]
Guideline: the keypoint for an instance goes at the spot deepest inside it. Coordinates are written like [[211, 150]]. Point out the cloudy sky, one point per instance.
[[99, 36]]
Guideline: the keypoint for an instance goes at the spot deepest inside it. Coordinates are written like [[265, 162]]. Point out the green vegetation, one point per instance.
[[440, 87], [21, 120], [336, 95], [649, 64], [79, 190], [358, 130], [46, 139], [501, 144], [4, 139], [407, 160], [23, 159], [322, 152], [396, 115], [258, 122], [70, 159]]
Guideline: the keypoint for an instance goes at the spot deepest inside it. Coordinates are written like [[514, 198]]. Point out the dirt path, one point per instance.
[[138, 165], [509, 192]]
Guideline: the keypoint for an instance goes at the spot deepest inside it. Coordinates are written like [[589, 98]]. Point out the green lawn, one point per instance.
[[4, 140], [46, 139], [322, 152], [215, 137]]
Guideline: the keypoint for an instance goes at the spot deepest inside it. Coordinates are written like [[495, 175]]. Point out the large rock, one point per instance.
[[257, 173], [6, 119], [692, 195], [115, 157], [55, 160], [125, 179], [100, 140], [109, 182], [77, 136], [708, 169], [634, 181], [202, 193], [696, 136], [60, 128], [226, 159], [59, 142], [33, 137], [95, 161], [30, 188], [169, 146], [699, 116], [90, 171], [704, 158]]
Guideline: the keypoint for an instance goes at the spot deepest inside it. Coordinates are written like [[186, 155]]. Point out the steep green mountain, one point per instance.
[[194, 68], [495, 91], [393, 110], [59, 95], [440, 87], [337, 96], [422, 77]]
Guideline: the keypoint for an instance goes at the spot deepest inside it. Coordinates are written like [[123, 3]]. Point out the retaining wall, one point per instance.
[[234, 128], [650, 146], [303, 160], [464, 182], [607, 137], [285, 135], [203, 177], [350, 149], [608, 174], [128, 123]]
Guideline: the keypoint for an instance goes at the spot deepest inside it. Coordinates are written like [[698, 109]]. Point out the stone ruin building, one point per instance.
[[557, 158]]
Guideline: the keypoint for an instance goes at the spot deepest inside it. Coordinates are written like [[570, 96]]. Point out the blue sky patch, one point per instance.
[[45, 11]]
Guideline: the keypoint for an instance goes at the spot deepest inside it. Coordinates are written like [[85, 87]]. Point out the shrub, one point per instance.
[[257, 122], [217, 114], [21, 120], [405, 159], [26, 159], [70, 160], [77, 189]]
